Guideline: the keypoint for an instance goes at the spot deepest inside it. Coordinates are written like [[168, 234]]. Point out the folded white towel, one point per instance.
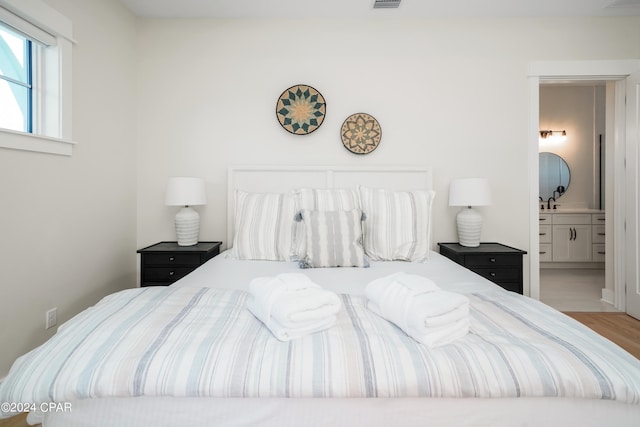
[[446, 318], [395, 294], [419, 307], [433, 336], [443, 335], [291, 305], [419, 317], [287, 333], [399, 285], [437, 308]]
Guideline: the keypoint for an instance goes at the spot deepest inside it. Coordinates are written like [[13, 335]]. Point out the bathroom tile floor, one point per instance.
[[573, 289]]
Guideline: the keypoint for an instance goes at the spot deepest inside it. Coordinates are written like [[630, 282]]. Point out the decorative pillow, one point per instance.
[[320, 199], [263, 226], [334, 239], [398, 226]]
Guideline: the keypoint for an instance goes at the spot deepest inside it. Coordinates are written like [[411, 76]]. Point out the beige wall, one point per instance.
[[67, 224]]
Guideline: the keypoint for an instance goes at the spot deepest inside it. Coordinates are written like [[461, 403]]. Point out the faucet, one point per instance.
[[549, 202], [542, 200]]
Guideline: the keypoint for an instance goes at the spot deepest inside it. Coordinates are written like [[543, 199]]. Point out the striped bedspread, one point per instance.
[[204, 342]]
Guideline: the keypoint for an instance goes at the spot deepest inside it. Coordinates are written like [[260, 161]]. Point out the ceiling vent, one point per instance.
[[386, 4]]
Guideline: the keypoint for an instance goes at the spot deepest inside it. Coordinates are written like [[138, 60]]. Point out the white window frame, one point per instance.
[[52, 132]]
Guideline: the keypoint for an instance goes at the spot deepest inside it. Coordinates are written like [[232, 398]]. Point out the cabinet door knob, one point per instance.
[[171, 273], [492, 260], [172, 258], [543, 234], [543, 252], [492, 274]]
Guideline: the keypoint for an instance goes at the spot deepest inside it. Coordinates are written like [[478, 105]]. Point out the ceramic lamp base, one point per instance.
[[469, 224], [187, 226]]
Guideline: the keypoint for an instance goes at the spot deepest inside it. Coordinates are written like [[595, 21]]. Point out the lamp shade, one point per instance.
[[185, 191], [469, 192]]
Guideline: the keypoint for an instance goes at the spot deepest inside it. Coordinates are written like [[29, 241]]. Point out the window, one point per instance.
[[16, 81], [35, 77]]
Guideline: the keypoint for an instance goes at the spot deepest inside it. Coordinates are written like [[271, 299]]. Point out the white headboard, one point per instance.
[[280, 179]]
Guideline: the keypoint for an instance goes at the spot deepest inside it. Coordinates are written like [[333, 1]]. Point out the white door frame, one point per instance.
[[577, 70]]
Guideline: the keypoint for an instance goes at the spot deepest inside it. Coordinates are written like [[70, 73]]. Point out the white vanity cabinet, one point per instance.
[[572, 237]]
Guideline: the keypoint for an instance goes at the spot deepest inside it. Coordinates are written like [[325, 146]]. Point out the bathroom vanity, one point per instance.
[[572, 236]]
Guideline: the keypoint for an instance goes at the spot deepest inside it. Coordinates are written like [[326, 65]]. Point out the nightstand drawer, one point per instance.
[[165, 274], [488, 260], [499, 275], [172, 259]]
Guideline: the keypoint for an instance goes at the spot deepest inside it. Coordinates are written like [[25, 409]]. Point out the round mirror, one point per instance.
[[554, 176]]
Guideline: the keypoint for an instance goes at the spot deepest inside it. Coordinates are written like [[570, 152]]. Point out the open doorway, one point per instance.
[[573, 148], [624, 76]]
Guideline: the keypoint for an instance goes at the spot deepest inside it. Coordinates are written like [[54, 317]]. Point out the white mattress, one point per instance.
[[222, 272]]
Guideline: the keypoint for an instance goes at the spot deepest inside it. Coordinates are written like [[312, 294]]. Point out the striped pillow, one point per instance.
[[398, 226], [320, 199], [334, 239], [263, 226]]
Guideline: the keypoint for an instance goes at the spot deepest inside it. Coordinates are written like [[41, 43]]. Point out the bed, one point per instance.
[[192, 354]]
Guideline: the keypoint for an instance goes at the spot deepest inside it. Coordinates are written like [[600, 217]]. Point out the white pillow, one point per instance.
[[263, 226], [398, 225], [334, 239], [320, 199]]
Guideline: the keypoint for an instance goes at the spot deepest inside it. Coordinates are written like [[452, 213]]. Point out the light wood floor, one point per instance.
[[620, 328], [17, 421]]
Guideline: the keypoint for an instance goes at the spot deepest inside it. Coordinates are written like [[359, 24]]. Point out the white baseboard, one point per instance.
[[608, 296]]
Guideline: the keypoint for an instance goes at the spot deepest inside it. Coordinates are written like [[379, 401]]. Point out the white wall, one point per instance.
[[67, 224], [451, 94]]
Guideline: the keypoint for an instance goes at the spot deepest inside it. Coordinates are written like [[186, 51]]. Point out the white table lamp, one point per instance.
[[187, 192], [469, 192]]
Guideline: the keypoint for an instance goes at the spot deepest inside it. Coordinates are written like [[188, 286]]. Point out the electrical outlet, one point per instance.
[[51, 318]]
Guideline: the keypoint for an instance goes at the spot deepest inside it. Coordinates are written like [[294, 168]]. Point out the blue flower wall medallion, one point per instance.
[[361, 133], [301, 109]]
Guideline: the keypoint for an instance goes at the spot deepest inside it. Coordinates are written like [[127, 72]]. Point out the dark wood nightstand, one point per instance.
[[165, 262], [497, 262]]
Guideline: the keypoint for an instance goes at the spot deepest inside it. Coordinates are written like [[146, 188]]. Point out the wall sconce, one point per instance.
[[544, 134]]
